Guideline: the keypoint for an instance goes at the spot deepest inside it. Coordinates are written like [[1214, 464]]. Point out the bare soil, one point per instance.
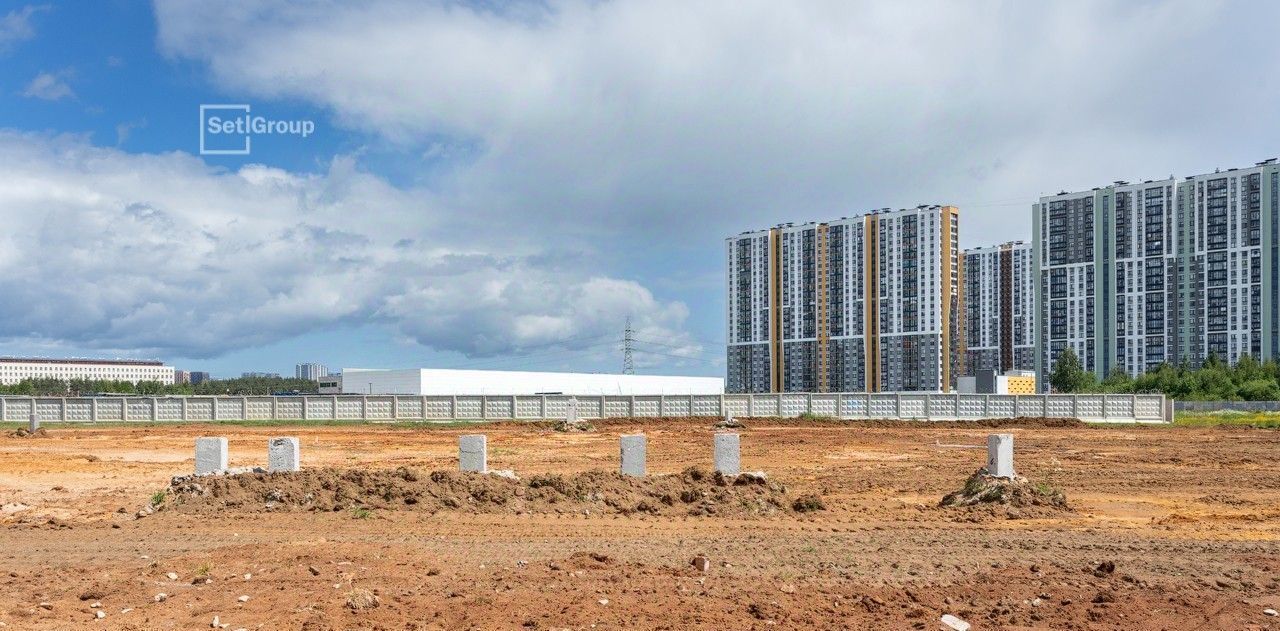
[[1166, 528]]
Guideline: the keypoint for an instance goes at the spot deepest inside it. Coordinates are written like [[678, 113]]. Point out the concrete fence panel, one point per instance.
[[852, 405]]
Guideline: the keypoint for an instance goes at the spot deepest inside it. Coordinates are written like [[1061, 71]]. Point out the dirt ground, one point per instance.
[[1168, 528]]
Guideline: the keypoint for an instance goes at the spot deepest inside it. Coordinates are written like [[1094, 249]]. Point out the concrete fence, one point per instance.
[[1221, 406], [1146, 408]]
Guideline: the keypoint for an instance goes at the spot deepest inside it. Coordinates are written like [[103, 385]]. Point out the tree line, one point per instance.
[[1215, 380], [45, 387]]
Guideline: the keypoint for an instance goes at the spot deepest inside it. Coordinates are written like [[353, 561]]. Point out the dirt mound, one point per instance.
[[576, 426], [1009, 497], [23, 432], [692, 492]]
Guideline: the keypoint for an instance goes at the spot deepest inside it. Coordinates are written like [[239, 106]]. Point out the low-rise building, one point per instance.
[[14, 369]]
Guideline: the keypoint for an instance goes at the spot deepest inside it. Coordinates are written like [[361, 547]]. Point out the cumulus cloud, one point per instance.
[[50, 86], [164, 254], [708, 117], [16, 27]]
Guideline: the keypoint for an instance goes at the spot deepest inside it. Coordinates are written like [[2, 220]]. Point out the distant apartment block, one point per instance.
[[869, 303], [14, 369], [310, 372], [259, 375], [181, 377], [999, 308], [1134, 275], [199, 377]]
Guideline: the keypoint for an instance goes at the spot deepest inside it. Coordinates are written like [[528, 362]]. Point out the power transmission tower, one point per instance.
[[628, 365]]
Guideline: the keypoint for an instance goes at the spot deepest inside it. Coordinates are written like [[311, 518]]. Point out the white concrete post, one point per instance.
[[897, 405], [1075, 405], [1000, 455], [275, 408], [662, 405], [155, 410], [631, 406], [839, 405], [333, 415], [3, 409], [632, 448], [424, 408], [453, 407], [33, 423], [395, 407], [244, 408], [728, 459], [691, 405], [211, 455], [484, 407], [808, 404], [571, 411], [304, 407], [751, 405], [928, 411], [182, 404], [473, 453], [284, 454], [364, 407]]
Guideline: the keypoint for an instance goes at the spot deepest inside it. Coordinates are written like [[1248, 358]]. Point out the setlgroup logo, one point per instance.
[[228, 129]]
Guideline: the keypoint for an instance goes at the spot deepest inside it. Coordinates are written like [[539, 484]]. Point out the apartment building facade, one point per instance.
[[1131, 276], [999, 315], [868, 303]]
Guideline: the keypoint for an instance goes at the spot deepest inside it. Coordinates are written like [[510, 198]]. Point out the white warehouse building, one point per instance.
[[431, 381], [14, 369]]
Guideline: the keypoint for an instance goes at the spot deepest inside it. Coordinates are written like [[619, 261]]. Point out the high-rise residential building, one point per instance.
[[999, 308], [181, 376], [14, 369], [311, 372], [869, 303], [198, 377], [1134, 275]]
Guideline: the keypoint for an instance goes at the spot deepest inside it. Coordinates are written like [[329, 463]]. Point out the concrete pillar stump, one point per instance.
[[473, 453], [1000, 455], [211, 455], [284, 454], [633, 448], [728, 459]]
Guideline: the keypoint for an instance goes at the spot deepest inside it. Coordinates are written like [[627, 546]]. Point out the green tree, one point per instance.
[[1068, 375]]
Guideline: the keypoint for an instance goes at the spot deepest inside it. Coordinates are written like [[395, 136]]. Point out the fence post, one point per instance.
[[453, 406], [214, 409], [631, 407], [424, 407], [155, 409], [1105, 399], [691, 405], [808, 405], [751, 404], [1075, 406], [484, 407], [928, 406], [1133, 406], [839, 405], [182, 406], [3, 410], [897, 405], [244, 408], [395, 407], [304, 407], [662, 405], [364, 407]]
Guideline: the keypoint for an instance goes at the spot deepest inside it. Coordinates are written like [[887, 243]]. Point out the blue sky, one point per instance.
[[501, 185]]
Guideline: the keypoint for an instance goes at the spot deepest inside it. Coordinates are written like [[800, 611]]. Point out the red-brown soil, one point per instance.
[[1167, 528]]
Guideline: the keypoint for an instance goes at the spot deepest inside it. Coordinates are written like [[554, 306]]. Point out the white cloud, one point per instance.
[[163, 254], [699, 119], [50, 86], [15, 26]]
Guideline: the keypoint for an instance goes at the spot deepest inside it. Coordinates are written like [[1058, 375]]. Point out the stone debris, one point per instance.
[[1271, 612], [161, 597], [243, 599], [701, 563], [604, 601], [100, 614], [173, 576], [954, 623]]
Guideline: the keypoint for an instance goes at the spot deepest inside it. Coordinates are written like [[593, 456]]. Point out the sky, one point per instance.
[[504, 184]]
